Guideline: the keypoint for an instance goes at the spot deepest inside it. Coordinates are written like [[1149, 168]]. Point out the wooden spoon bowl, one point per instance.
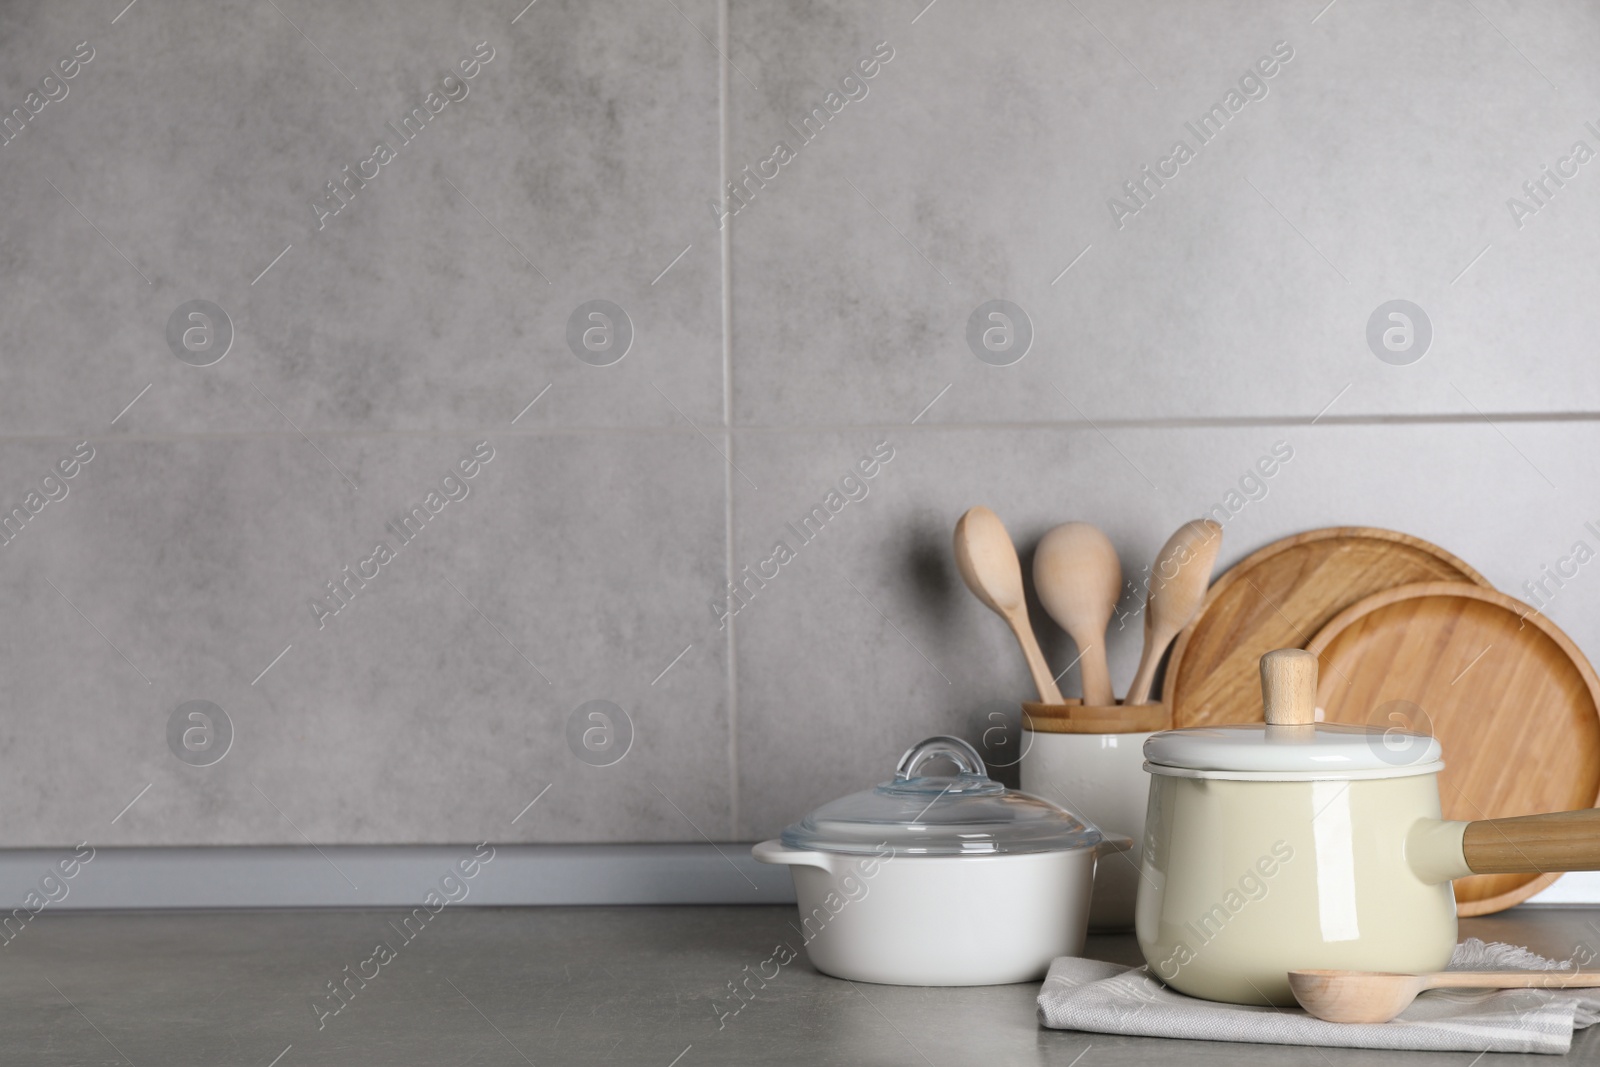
[[1377, 997], [988, 562], [1078, 577], [1355, 996], [1178, 584]]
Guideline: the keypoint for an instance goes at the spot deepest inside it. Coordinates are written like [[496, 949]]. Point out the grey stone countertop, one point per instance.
[[602, 985]]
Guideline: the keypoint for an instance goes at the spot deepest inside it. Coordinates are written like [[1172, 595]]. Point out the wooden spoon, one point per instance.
[[989, 565], [1375, 997], [1079, 578], [1178, 584]]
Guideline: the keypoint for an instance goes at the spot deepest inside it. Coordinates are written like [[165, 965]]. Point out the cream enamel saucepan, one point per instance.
[[1296, 845]]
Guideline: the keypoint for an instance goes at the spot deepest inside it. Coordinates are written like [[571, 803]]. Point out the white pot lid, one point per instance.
[[1320, 750], [963, 815]]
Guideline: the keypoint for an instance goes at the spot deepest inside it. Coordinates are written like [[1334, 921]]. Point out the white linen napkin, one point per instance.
[[1108, 998]]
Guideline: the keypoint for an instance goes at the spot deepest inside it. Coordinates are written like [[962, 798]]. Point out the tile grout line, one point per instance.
[[1220, 422], [726, 247]]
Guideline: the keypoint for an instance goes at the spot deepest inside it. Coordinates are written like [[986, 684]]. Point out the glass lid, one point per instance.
[[968, 814]]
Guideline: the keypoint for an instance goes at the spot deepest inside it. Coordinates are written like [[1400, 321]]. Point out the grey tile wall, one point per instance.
[[897, 166]]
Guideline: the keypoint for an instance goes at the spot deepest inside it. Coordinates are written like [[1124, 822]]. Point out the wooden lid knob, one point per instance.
[[1289, 687]]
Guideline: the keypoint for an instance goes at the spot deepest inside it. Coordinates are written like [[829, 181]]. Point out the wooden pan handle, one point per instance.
[[1561, 841]]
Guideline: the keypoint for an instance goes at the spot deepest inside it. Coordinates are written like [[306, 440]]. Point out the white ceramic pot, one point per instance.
[[940, 880], [1295, 845], [938, 920], [1102, 778]]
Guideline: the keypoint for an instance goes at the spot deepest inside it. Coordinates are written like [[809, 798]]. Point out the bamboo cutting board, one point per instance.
[[1510, 697], [1279, 597]]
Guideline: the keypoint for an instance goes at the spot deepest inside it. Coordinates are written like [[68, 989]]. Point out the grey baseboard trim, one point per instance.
[[374, 876], [387, 876]]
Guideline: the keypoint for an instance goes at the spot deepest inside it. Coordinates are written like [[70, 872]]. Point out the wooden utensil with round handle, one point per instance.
[[1178, 585], [1079, 578], [988, 563], [1375, 997]]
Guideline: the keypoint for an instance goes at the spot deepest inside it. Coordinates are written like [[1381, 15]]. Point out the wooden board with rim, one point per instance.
[[1279, 597], [1512, 700]]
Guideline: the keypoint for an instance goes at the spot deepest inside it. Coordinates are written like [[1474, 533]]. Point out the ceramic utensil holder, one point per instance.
[[1090, 760]]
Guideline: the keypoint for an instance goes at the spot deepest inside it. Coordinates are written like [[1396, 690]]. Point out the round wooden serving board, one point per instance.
[[1279, 597], [1510, 697]]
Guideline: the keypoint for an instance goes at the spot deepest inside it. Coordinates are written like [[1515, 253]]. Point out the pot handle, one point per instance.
[[1112, 843], [773, 851], [1560, 841]]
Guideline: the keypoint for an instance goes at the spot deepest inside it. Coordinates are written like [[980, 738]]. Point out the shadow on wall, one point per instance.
[[930, 569]]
